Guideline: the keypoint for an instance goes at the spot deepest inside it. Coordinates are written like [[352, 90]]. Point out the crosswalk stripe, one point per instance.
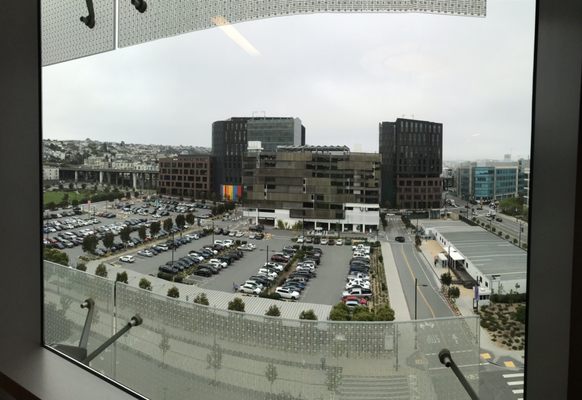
[[517, 391], [515, 383], [519, 375]]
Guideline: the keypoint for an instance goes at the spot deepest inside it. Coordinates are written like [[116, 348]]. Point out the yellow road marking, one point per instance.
[[413, 277], [509, 364], [486, 356]]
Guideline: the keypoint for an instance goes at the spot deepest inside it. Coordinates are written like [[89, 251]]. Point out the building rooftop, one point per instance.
[[487, 251], [311, 148]]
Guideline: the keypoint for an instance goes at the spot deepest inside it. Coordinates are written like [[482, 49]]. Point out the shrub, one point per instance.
[[384, 313], [121, 277], [446, 279], [454, 293], [56, 256], [81, 266], [339, 312], [201, 299], [173, 292], [273, 311], [145, 284], [274, 296], [506, 236], [236, 305], [101, 270], [308, 314]]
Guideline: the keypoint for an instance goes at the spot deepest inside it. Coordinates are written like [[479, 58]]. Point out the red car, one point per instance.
[[361, 300]]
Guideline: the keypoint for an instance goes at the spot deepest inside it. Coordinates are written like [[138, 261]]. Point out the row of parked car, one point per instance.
[[212, 259], [52, 226], [358, 290], [270, 271]]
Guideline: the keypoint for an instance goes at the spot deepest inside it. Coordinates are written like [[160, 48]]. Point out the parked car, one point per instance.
[[323, 241], [127, 259], [400, 239], [287, 293], [358, 292], [145, 253], [249, 288], [203, 272]]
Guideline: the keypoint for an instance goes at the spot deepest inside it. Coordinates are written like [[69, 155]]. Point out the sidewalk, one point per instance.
[[395, 292]]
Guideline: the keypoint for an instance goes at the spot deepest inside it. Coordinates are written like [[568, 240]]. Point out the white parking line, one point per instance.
[[518, 375], [517, 391], [515, 383]]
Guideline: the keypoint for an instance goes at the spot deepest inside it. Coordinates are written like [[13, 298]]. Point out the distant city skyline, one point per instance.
[[340, 74]]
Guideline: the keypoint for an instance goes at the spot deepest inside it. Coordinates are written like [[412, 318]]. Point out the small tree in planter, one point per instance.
[[454, 293], [446, 279], [308, 314], [201, 299], [145, 284], [273, 311], [236, 305], [121, 277], [101, 270], [173, 292]]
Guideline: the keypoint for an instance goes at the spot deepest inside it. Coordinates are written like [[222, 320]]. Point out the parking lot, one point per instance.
[[325, 288]]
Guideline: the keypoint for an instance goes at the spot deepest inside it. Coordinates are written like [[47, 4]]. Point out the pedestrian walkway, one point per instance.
[[395, 292], [515, 383]]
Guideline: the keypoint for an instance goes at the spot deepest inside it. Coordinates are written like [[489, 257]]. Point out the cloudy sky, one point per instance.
[[340, 73]]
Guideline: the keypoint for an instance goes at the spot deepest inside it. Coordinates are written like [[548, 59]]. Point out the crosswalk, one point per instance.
[[515, 383]]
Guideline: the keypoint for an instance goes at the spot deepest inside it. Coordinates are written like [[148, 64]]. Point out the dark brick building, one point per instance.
[[186, 176], [412, 160]]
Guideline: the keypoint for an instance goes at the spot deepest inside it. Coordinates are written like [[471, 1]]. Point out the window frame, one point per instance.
[[28, 370]]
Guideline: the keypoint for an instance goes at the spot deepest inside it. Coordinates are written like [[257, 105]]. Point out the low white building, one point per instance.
[[358, 218], [50, 173], [492, 262]]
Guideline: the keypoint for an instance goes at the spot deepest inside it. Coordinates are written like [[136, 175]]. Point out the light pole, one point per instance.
[[416, 285]]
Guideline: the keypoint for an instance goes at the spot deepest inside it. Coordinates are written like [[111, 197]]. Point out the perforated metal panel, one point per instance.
[[164, 18], [64, 37]]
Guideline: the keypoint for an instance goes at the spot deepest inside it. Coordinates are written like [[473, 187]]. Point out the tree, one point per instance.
[[121, 277], [201, 299], [81, 266], [384, 313], [168, 224], [308, 314], [273, 311], [83, 186], [61, 187], [154, 228], [51, 205], [75, 202], [141, 232], [65, 200], [446, 279], [56, 256], [520, 313], [361, 313], [108, 240], [236, 305], [271, 375], [145, 284], [125, 233], [190, 218], [339, 312], [180, 221], [89, 244], [417, 241], [454, 293], [101, 270], [280, 224], [173, 292], [71, 185]]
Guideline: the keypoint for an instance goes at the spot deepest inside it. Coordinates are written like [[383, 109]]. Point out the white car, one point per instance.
[[305, 268], [358, 283], [239, 234], [323, 241], [251, 282], [273, 265], [287, 293], [228, 242], [249, 288], [300, 239], [145, 253], [269, 274], [127, 259], [220, 242], [339, 242], [218, 263], [251, 235]]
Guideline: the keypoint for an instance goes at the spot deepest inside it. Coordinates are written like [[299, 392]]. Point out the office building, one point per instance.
[[412, 154], [320, 186], [230, 140], [186, 176], [487, 180]]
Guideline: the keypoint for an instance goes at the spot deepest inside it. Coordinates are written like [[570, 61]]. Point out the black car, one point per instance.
[[203, 272], [400, 239]]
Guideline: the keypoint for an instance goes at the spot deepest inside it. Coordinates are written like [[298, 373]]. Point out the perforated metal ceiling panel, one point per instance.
[[165, 18], [65, 37]]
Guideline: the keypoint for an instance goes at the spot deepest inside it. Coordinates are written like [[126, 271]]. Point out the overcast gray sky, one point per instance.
[[340, 73]]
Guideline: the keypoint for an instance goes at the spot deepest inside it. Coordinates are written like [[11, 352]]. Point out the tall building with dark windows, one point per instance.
[[186, 176], [230, 141], [412, 159]]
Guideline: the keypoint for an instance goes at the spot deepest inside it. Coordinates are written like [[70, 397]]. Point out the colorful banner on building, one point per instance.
[[231, 192]]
